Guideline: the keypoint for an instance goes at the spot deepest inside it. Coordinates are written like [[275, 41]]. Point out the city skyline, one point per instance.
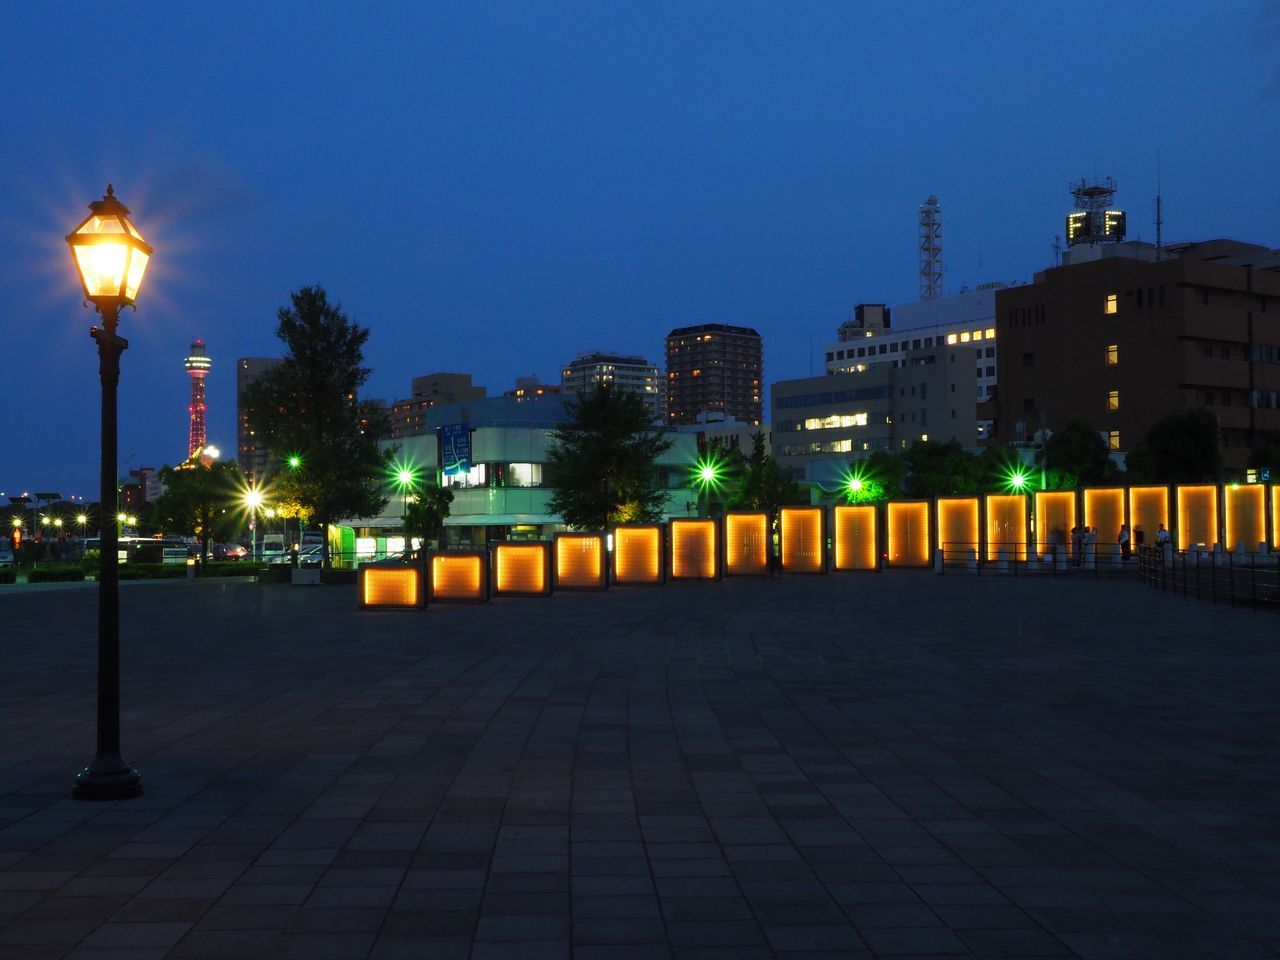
[[596, 177]]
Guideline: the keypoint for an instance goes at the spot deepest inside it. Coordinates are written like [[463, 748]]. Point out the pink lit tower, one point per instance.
[[197, 364]]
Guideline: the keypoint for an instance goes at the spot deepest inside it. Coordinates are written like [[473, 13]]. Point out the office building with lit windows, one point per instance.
[[714, 371], [1122, 335], [631, 374], [820, 425], [879, 335]]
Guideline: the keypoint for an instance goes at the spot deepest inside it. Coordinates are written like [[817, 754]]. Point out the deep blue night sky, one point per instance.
[[493, 188]]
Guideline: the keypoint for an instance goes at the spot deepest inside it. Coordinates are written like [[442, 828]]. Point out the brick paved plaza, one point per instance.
[[892, 766]]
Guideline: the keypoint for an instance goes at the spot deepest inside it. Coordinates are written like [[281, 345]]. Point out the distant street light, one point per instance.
[[111, 257], [252, 500], [405, 476]]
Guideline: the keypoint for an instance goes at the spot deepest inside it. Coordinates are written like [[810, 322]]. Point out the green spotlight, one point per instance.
[[405, 475], [708, 473], [294, 461]]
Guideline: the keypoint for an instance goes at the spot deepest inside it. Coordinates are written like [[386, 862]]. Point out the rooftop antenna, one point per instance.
[[1159, 211], [1057, 251], [930, 249]]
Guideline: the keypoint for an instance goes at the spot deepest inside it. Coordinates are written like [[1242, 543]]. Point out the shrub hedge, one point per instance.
[[55, 575], [8, 576]]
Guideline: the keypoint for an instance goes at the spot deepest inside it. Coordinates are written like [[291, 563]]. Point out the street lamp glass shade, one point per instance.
[[110, 254]]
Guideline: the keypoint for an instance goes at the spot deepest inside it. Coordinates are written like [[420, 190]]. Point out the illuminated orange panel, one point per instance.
[[457, 576], [1275, 517], [958, 527], [1006, 525], [1104, 511], [1245, 516], [1055, 516], [637, 554], [855, 537], [389, 586], [1197, 516], [908, 529], [580, 560], [1148, 508], [802, 540], [746, 543], [520, 568], [693, 549]]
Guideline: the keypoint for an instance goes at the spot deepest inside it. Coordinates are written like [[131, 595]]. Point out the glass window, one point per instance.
[[1113, 439], [1112, 304], [1113, 354], [1113, 399]]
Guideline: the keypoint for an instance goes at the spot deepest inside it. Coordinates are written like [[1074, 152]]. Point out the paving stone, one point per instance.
[[721, 772]]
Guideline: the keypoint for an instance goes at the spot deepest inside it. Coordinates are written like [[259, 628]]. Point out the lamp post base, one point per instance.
[[107, 778]]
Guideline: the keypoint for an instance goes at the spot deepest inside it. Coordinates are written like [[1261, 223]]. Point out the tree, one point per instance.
[[940, 470], [1181, 448], [307, 406], [199, 500], [1265, 451], [425, 513], [602, 461], [764, 486], [1078, 449]]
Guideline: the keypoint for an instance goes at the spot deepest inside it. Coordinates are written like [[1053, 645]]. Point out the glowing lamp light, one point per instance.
[[81, 519], [1017, 481], [110, 254], [295, 462], [855, 484], [252, 499]]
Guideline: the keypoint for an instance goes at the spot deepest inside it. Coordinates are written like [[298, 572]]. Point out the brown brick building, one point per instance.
[[1122, 338]]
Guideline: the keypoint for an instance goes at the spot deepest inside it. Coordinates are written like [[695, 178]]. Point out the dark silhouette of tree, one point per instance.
[[1079, 450], [200, 500], [764, 486], [1181, 448], [940, 470], [602, 461], [425, 513], [309, 406]]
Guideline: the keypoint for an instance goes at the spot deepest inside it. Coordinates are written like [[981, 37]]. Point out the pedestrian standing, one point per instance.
[[1123, 540]]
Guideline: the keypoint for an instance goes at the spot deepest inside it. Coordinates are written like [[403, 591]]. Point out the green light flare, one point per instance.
[[708, 473], [405, 475]]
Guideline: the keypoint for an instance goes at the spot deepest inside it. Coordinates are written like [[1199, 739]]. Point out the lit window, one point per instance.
[[991, 333], [1112, 304], [924, 437], [1113, 399], [964, 337], [977, 334], [951, 338], [1113, 354], [1113, 439]]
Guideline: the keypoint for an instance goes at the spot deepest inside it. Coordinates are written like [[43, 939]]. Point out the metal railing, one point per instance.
[[1020, 560], [1239, 579]]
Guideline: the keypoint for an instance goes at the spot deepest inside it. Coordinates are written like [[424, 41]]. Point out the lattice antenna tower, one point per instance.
[[197, 364], [930, 249]]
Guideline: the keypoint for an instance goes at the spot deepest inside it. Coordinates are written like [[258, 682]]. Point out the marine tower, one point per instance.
[[197, 364]]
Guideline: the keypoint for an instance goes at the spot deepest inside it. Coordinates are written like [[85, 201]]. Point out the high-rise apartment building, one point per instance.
[[714, 371], [254, 460], [409, 417], [1123, 334], [627, 373]]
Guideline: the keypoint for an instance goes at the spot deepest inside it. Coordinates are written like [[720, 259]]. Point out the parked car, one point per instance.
[[6, 558], [230, 551], [311, 555], [272, 550]]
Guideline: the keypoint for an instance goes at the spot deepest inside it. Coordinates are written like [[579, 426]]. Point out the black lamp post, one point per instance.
[[111, 257]]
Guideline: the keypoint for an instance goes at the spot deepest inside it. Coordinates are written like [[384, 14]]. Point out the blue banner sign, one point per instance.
[[455, 449]]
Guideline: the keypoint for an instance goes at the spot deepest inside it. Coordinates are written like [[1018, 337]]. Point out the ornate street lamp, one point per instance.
[[111, 257]]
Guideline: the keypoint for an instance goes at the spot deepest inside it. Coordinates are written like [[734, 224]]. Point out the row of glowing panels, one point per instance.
[[738, 544], [641, 554]]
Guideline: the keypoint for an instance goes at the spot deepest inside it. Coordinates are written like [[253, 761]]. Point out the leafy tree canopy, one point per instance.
[[308, 407], [425, 513], [602, 461], [941, 470], [764, 486], [1077, 449], [1181, 448], [200, 501]]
